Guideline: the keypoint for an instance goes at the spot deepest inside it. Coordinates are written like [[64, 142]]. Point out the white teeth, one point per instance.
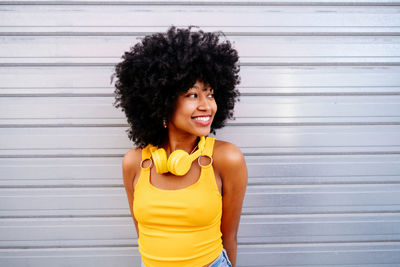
[[202, 118]]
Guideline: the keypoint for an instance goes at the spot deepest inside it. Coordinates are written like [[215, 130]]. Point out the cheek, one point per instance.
[[184, 111], [181, 108], [215, 107]]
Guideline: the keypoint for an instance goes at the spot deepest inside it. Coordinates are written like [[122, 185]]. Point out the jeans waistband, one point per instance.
[[221, 261]]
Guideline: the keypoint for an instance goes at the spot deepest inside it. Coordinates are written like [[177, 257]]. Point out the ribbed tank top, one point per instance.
[[179, 227]]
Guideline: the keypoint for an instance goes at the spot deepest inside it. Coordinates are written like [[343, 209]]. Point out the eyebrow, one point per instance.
[[205, 88]]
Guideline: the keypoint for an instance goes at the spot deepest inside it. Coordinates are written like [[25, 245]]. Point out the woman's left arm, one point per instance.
[[233, 172]]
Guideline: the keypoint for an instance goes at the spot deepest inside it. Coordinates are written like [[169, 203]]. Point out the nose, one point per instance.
[[204, 103]]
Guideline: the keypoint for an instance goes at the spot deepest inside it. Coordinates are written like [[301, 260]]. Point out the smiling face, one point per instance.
[[194, 111]]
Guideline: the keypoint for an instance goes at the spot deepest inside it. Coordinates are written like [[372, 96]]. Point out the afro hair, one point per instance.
[[162, 66]]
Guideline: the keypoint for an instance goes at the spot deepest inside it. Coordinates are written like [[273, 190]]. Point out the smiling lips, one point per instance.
[[203, 120]]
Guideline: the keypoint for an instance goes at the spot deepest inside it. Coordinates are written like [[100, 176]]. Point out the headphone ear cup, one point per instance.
[[160, 160], [179, 162]]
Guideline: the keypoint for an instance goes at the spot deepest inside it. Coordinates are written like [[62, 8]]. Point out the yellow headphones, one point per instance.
[[179, 162]]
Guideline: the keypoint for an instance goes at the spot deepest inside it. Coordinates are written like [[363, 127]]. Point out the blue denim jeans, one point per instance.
[[221, 261]]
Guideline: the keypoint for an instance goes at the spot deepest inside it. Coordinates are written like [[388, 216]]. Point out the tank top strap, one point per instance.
[[208, 147], [144, 171], [146, 152]]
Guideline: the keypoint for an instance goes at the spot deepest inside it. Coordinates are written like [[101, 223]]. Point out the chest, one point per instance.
[[169, 181], [178, 203]]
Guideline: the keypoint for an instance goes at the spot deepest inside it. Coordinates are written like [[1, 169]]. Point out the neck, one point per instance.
[[186, 143]]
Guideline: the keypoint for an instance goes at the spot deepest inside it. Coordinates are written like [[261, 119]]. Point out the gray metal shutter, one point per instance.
[[318, 122]]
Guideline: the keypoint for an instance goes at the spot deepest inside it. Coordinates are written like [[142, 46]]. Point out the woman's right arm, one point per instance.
[[130, 165]]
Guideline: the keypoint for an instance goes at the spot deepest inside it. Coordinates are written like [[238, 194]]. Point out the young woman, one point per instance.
[[185, 189]]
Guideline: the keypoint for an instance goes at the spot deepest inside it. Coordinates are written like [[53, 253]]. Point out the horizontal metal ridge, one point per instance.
[[258, 64], [208, 3]]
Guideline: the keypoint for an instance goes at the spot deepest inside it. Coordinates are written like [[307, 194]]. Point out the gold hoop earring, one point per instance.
[[165, 123]]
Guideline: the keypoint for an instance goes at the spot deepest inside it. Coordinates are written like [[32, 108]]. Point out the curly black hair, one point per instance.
[[164, 65]]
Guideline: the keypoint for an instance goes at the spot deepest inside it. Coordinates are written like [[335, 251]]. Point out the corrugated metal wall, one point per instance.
[[318, 122]]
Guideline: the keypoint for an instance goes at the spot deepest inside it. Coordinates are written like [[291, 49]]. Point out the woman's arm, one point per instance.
[[129, 169], [233, 172]]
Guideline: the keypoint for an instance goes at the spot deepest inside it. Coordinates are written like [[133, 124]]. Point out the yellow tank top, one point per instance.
[[179, 227]]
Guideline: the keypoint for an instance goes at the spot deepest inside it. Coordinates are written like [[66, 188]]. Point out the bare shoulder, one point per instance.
[[132, 157], [230, 165], [227, 156], [131, 163], [227, 153]]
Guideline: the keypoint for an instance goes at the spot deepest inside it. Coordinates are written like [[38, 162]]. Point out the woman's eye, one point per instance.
[[211, 95], [192, 95]]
